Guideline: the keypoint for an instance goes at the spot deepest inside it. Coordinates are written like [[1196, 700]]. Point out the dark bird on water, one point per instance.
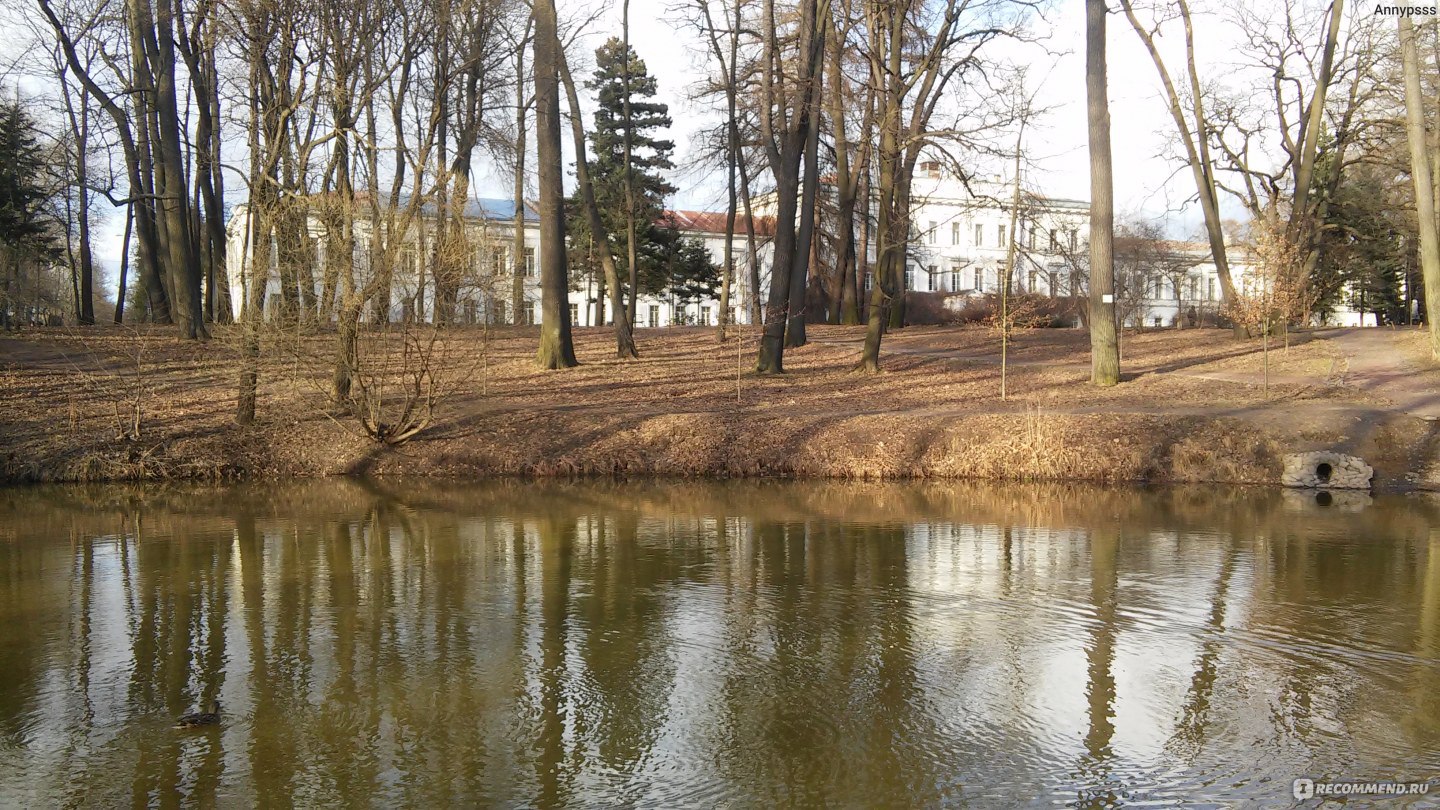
[[198, 719]]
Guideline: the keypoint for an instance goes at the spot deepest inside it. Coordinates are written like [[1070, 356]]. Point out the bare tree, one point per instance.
[[1104, 347], [786, 109], [946, 45], [1420, 176], [624, 336], [556, 348], [1193, 126]]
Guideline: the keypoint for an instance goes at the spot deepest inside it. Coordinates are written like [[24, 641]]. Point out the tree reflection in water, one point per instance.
[[683, 643]]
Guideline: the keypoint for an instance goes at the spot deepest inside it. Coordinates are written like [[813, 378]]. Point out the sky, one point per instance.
[[1147, 184], [1145, 181]]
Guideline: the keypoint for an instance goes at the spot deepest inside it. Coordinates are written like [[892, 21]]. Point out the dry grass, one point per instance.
[[934, 411]]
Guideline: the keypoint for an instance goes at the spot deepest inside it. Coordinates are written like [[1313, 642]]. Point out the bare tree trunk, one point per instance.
[[1104, 346], [1420, 176], [752, 250], [809, 191], [124, 265], [732, 201], [1196, 144], [733, 155], [785, 147], [890, 233], [251, 263], [624, 337], [862, 247], [172, 194], [80, 132], [556, 348], [198, 50], [517, 240], [900, 284], [629, 179]]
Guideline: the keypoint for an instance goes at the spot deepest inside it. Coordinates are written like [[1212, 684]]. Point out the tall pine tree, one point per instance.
[[27, 229], [650, 157]]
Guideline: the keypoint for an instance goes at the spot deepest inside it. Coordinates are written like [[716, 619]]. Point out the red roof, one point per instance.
[[714, 222]]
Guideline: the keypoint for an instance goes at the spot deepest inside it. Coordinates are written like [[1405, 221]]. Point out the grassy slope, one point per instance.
[[1191, 409]]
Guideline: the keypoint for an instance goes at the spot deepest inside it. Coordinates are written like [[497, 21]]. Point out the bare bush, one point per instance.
[[401, 373]]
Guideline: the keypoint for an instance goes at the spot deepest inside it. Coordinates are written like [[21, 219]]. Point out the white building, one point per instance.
[[486, 293], [959, 249], [961, 238], [960, 245]]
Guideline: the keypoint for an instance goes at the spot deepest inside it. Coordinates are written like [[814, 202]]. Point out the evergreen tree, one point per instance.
[[27, 227], [1365, 247], [691, 274], [650, 156]]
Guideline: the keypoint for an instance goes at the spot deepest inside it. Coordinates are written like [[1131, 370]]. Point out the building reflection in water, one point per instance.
[[664, 644]]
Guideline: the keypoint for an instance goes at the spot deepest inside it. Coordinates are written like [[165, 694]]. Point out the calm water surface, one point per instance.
[[664, 645]]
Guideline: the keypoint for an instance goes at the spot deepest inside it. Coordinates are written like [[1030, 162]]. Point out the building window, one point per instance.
[[574, 313], [529, 262], [704, 316], [1054, 240], [954, 233], [1033, 229], [529, 313], [930, 233], [909, 278], [979, 234], [979, 280], [1000, 235], [1030, 281], [955, 279], [1052, 278], [654, 314], [869, 281], [1209, 289], [1073, 233], [498, 265]]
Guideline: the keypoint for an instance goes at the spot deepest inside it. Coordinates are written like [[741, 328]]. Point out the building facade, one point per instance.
[[960, 249], [485, 290]]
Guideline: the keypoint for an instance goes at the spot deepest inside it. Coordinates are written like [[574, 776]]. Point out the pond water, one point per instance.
[[685, 644]]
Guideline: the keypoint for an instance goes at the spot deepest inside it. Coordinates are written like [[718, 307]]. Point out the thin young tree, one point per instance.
[[523, 102]]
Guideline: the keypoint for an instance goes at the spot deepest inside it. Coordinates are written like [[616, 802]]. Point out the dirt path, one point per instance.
[[44, 356], [1378, 364]]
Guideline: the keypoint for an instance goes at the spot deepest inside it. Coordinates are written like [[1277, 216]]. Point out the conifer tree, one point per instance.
[[27, 229], [650, 157]]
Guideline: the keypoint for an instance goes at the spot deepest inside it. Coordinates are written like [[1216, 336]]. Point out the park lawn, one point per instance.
[[689, 406]]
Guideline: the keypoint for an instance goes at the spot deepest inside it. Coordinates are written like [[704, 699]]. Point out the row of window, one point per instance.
[[651, 316], [499, 259], [1056, 283], [1027, 237]]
